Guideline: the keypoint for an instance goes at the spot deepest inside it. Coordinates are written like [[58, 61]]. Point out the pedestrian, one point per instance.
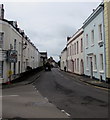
[[65, 68]]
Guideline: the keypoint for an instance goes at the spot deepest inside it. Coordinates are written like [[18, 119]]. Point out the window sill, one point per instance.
[[101, 41], [95, 71], [92, 45], [102, 72], [87, 69]]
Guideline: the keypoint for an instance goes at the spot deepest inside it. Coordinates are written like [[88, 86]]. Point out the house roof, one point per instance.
[[95, 12]]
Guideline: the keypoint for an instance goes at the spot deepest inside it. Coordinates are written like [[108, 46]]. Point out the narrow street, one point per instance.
[[73, 96], [55, 94]]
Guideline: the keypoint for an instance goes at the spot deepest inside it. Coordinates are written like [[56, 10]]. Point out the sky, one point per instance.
[[48, 24]]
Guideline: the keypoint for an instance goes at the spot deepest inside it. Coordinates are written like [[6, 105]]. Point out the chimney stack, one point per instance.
[[1, 11], [68, 38]]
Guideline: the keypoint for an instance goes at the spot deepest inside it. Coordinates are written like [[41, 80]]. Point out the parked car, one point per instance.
[[47, 66]]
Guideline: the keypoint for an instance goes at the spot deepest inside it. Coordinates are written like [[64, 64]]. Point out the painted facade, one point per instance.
[[107, 36], [63, 61], [13, 39], [75, 56], [94, 45]]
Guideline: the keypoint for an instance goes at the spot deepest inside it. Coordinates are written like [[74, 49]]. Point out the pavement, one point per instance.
[[90, 81], [26, 101], [29, 80]]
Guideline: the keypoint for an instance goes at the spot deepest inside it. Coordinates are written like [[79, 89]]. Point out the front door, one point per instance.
[[91, 67], [82, 67], [73, 65]]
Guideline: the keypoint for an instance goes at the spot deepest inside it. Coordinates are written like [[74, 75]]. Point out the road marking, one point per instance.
[[102, 88], [9, 95], [98, 87], [66, 113]]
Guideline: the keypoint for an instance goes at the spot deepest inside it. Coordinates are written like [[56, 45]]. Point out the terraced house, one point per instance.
[[17, 52], [75, 56], [88, 50], [94, 41]]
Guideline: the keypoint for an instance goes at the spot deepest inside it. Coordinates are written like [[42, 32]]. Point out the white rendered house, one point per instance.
[[94, 45], [16, 50], [63, 60]]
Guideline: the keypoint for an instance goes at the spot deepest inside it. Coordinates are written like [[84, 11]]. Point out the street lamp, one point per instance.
[[24, 45]]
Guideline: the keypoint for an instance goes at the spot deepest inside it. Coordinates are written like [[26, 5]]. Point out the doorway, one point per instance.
[[91, 68], [82, 67], [73, 65]]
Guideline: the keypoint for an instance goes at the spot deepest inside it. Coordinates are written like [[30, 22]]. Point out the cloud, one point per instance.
[[48, 24]]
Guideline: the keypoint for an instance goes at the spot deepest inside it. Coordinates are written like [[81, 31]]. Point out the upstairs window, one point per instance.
[[92, 37], [70, 50], [87, 62], [100, 32], [1, 39], [14, 44], [67, 51], [77, 47], [20, 48], [86, 40], [81, 45]]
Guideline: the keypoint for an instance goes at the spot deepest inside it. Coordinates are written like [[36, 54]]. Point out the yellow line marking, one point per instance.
[[95, 86]]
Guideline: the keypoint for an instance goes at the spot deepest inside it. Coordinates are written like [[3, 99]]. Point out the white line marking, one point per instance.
[[65, 113], [68, 114], [9, 95]]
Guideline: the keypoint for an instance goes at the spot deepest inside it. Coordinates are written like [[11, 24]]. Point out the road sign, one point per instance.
[[12, 56]]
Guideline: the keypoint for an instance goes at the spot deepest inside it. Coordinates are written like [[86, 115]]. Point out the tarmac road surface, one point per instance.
[[76, 98]]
